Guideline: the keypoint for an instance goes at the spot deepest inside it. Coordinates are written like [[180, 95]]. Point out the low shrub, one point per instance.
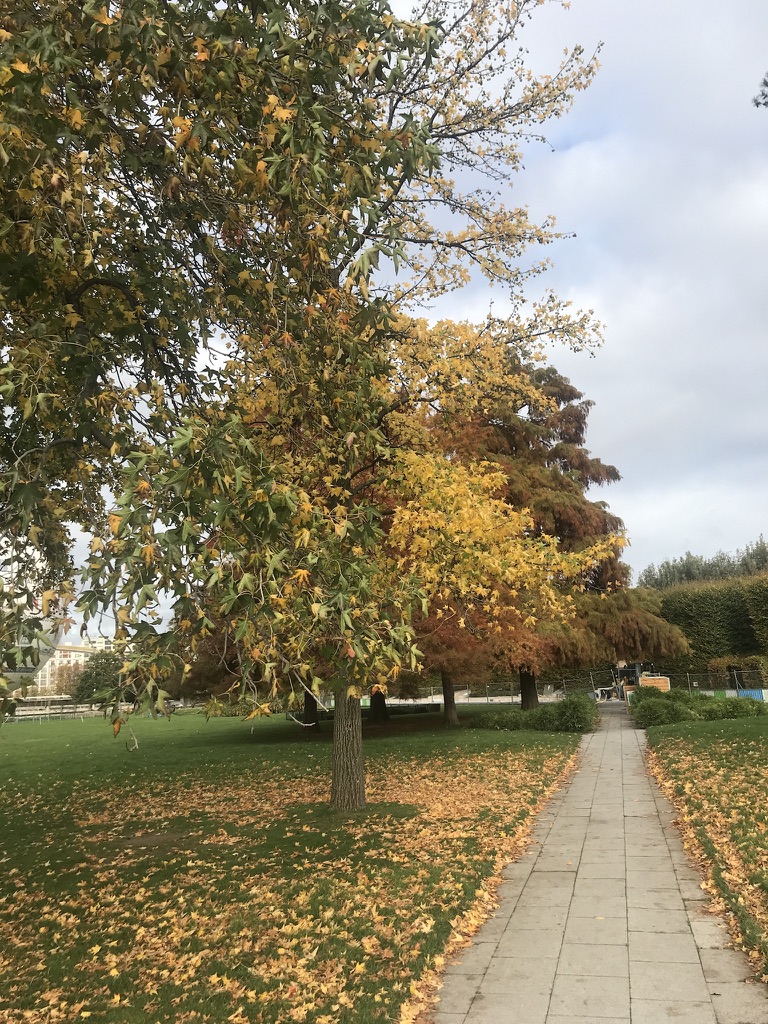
[[655, 707], [683, 697], [576, 713], [544, 718], [508, 719], [714, 709], [676, 696], [644, 693], [660, 711]]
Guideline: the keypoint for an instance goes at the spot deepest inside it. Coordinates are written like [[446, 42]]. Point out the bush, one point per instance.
[[507, 719], [653, 707], [715, 709], [683, 697], [577, 713], [544, 718], [644, 693], [661, 711]]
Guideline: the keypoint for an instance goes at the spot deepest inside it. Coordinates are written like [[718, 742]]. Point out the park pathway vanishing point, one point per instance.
[[603, 919]]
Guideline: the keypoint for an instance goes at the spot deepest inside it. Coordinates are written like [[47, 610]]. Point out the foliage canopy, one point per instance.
[[195, 200]]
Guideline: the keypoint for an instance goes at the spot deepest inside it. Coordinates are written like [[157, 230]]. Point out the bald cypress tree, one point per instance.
[[541, 448]]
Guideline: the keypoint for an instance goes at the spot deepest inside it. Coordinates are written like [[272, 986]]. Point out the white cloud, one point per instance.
[[661, 170]]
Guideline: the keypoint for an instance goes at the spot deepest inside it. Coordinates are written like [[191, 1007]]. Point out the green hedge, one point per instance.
[[726, 619], [577, 713], [652, 707], [756, 595]]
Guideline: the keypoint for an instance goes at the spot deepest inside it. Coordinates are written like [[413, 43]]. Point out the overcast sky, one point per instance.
[[661, 171]]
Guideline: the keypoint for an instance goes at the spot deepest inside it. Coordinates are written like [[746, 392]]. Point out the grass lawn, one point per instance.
[[201, 877], [717, 775]]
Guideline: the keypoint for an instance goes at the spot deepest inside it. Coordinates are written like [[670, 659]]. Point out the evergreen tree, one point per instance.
[[690, 568]]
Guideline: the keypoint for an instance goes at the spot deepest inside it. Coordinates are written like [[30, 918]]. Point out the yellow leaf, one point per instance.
[[302, 576], [259, 711], [75, 118], [102, 17]]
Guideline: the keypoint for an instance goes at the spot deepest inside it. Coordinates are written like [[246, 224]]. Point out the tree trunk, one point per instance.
[[347, 779], [379, 711], [529, 695], [450, 715], [311, 711]]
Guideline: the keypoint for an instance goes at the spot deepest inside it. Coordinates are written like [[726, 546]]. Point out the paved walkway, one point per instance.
[[603, 919]]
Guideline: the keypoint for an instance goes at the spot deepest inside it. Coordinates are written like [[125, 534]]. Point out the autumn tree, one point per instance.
[[165, 186], [536, 438], [195, 200], [622, 625], [488, 572], [540, 447], [66, 678]]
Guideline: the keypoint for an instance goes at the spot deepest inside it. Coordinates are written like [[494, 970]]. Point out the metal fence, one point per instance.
[[49, 712], [743, 679]]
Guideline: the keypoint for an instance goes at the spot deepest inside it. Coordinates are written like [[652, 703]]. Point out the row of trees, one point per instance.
[[749, 561], [547, 470], [206, 365]]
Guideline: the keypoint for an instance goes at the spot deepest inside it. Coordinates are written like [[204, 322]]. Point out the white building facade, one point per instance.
[[46, 682]]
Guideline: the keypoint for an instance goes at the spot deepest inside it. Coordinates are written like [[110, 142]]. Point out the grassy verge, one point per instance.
[[201, 878], [717, 775]]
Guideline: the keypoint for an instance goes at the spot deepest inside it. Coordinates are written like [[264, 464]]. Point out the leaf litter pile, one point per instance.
[[716, 773], [231, 893]]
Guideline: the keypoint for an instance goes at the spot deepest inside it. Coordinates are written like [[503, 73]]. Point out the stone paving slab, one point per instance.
[[603, 920]]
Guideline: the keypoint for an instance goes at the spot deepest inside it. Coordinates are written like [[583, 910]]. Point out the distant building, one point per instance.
[[67, 654]]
